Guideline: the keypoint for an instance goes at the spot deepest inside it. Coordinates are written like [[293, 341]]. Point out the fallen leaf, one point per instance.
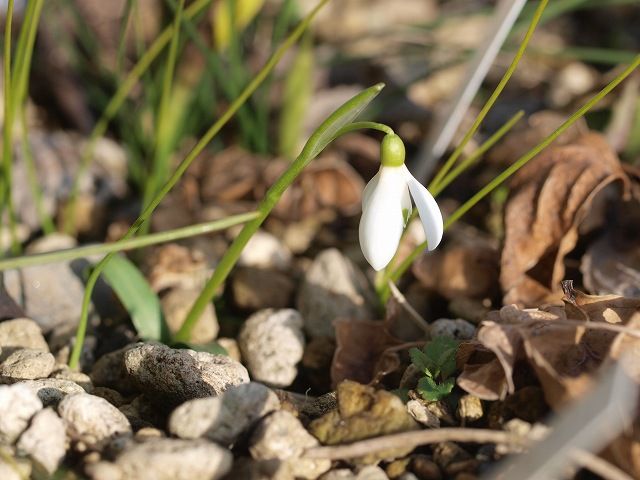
[[550, 197], [360, 345], [556, 343], [467, 267], [328, 182]]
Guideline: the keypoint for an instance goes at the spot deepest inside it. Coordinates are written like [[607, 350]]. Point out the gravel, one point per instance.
[[170, 376], [272, 344]]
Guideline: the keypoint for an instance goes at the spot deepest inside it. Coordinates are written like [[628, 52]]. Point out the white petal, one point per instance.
[[430, 214], [381, 223], [370, 187], [406, 205]]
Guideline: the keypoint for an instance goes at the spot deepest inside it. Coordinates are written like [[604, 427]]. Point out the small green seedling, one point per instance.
[[437, 360]]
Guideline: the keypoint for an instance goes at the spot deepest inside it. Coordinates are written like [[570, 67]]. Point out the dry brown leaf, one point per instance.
[[482, 373], [549, 199], [328, 182], [230, 175], [360, 348], [467, 267], [562, 354], [527, 135]]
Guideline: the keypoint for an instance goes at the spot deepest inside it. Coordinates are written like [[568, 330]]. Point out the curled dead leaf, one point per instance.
[[561, 346], [360, 350], [550, 197], [467, 267]]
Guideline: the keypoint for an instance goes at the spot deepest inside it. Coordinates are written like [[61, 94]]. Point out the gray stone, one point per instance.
[[176, 304], [170, 376], [20, 333], [45, 440], [18, 404], [51, 294], [51, 390], [92, 420], [454, 328], [256, 288], [224, 418], [109, 371], [371, 472], [281, 436], [167, 459], [333, 288], [272, 344], [27, 364], [63, 372], [265, 250]]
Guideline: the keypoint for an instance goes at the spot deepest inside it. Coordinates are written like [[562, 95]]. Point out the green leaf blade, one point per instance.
[[137, 297], [343, 116]]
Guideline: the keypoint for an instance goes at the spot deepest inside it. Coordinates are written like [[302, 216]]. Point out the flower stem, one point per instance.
[[182, 167], [487, 189], [492, 99], [231, 256], [129, 244]]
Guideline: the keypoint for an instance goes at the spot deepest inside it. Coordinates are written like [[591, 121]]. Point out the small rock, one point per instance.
[[26, 364], [18, 404], [458, 329], [371, 472], [45, 440], [147, 433], [469, 408], [397, 468], [142, 413], [63, 372], [110, 395], [92, 420], [265, 250], [281, 436], [167, 459], [338, 474], [364, 412], [257, 288], [176, 304], [424, 468], [453, 459], [248, 469], [51, 391], [51, 294], [571, 81], [171, 376], [333, 288], [272, 344], [176, 266], [109, 371], [20, 333], [419, 411], [224, 418], [231, 346]]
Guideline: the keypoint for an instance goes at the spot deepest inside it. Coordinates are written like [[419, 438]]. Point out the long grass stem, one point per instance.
[[519, 163], [182, 167]]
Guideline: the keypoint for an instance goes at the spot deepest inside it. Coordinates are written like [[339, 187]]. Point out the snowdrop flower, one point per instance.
[[386, 206]]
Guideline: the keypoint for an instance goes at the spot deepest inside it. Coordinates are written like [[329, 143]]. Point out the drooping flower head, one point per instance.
[[386, 206]]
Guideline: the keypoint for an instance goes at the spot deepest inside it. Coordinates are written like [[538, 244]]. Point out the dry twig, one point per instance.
[[415, 316], [414, 439]]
